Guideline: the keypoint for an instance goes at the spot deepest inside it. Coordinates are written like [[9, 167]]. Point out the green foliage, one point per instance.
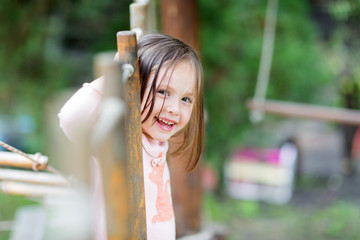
[[92, 25], [9, 206], [230, 44], [246, 219], [339, 221], [225, 209], [343, 50], [231, 36], [46, 47], [12, 203], [298, 63], [54, 52], [342, 10]]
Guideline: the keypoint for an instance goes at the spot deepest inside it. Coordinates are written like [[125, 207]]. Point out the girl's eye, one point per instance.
[[187, 100], [164, 92]]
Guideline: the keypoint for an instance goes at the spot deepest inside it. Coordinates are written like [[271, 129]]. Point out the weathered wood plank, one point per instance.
[[139, 18], [127, 49], [109, 139]]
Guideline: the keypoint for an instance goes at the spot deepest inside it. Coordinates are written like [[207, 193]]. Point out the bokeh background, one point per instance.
[[47, 47]]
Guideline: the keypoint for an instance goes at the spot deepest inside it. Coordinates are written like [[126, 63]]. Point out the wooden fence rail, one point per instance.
[[10, 159], [32, 177]]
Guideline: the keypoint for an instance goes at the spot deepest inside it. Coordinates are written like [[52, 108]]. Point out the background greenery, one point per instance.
[[47, 46], [237, 31]]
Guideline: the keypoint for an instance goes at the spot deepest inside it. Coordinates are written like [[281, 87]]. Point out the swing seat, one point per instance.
[[262, 174]]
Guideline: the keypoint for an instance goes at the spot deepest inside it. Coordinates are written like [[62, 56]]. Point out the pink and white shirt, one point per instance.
[[80, 110]]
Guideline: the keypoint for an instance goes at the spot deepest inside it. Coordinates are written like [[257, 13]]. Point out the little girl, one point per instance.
[[171, 107]]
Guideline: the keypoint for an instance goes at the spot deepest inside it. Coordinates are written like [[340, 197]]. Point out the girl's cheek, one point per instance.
[[190, 114]]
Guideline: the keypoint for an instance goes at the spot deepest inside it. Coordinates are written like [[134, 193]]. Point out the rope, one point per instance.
[[266, 58], [36, 161], [128, 71]]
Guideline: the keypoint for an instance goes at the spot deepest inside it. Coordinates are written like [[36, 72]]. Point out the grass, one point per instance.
[[251, 220], [338, 221], [254, 220], [8, 207]]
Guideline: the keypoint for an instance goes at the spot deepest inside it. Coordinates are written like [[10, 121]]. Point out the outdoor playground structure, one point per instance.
[[61, 195], [135, 206]]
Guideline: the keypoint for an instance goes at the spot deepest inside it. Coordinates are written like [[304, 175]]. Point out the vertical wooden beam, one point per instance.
[[179, 19], [111, 149], [152, 22], [72, 159], [143, 16], [186, 193], [139, 18], [127, 49]]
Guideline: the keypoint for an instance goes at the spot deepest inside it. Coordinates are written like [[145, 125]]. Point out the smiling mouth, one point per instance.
[[164, 124]]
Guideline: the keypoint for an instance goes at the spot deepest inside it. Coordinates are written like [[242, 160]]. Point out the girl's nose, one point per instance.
[[172, 106]]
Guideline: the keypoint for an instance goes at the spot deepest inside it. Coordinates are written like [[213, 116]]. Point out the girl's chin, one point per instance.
[[157, 137], [162, 138]]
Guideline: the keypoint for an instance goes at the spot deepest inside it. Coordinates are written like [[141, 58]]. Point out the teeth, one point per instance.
[[166, 122]]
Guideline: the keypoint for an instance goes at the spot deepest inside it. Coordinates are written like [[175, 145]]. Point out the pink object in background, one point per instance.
[[262, 174], [209, 177], [270, 155]]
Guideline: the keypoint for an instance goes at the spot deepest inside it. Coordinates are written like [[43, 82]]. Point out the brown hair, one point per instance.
[[159, 50]]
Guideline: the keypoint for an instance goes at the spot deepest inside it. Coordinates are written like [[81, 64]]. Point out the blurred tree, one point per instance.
[[47, 46], [231, 37], [340, 19], [22, 34]]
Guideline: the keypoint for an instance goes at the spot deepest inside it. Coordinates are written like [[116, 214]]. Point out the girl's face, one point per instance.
[[174, 101]]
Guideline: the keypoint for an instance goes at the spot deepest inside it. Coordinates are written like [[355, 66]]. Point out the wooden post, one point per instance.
[[127, 49], [139, 18], [186, 194], [70, 210], [179, 19], [143, 16], [109, 139]]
